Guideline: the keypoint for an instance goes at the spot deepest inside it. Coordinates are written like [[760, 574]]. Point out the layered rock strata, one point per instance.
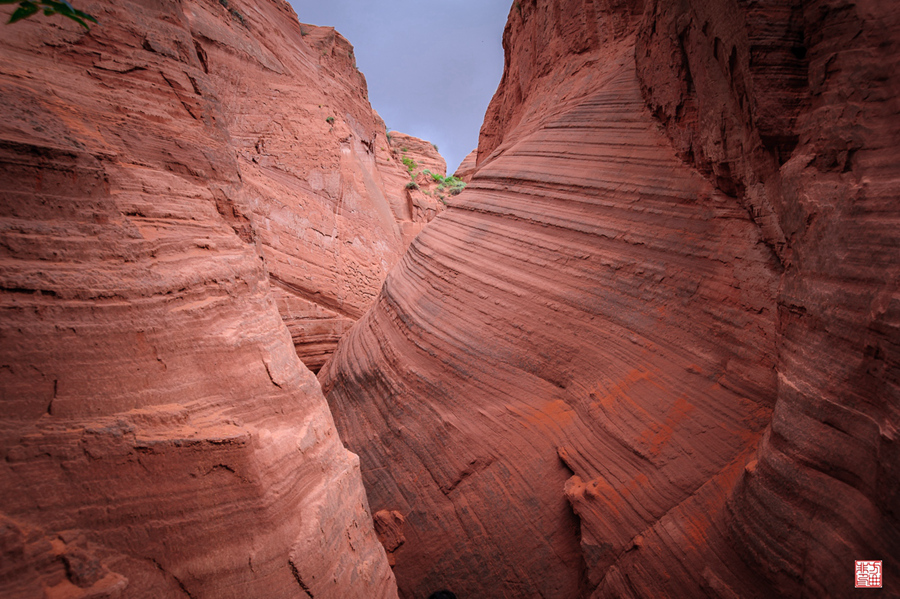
[[324, 188], [425, 169], [652, 349], [159, 435], [466, 169], [568, 335], [795, 114], [423, 153]]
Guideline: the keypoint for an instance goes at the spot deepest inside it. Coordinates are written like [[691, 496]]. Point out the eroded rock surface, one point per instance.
[[466, 168], [652, 350], [423, 153], [793, 109], [423, 167], [322, 186], [160, 436]]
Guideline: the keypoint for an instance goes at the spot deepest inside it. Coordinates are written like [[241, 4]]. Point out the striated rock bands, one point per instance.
[[159, 435], [423, 153], [823, 487], [467, 167], [322, 185], [653, 349], [568, 335], [425, 170]]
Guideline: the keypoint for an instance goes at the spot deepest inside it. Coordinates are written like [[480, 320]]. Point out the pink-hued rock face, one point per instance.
[[322, 186], [420, 160], [424, 153], [652, 350], [159, 435], [467, 167], [793, 109]]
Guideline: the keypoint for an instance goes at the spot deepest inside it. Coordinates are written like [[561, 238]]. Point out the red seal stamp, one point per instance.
[[868, 574]]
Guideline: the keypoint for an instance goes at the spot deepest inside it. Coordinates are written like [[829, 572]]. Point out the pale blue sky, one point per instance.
[[431, 66]]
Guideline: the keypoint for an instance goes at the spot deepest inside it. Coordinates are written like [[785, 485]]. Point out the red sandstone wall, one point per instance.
[[466, 168], [159, 436], [652, 350], [323, 188], [805, 100], [424, 199]]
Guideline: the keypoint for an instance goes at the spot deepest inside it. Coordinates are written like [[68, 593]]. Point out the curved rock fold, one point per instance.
[[651, 350]]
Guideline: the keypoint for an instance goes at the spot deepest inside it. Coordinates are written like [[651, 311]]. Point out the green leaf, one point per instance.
[[25, 10], [53, 7], [84, 15], [50, 7]]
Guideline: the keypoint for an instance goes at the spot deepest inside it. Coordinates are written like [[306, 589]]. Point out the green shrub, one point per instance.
[[412, 185], [28, 8], [453, 185], [410, 164], [330, 120]]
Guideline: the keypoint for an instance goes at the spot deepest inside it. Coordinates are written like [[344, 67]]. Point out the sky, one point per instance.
[[431, 66]]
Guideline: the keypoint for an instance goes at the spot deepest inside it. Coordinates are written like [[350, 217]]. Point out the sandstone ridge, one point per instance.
[[424, 166], [652, 350]]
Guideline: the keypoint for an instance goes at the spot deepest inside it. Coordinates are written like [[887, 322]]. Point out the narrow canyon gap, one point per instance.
[[651, 350]]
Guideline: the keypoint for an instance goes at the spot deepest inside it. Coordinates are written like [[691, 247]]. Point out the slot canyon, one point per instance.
[[645, 343]]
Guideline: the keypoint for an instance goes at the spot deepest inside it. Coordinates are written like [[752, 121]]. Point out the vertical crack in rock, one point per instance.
[[299, 580], [172, 576]]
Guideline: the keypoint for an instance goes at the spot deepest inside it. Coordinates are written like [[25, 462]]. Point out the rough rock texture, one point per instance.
[[389, 528], [466, 169], [424, 153], [67, 565], [793, 108], [576, 312], [322, 185], [653, 349], [159, 436], [423, 199]]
